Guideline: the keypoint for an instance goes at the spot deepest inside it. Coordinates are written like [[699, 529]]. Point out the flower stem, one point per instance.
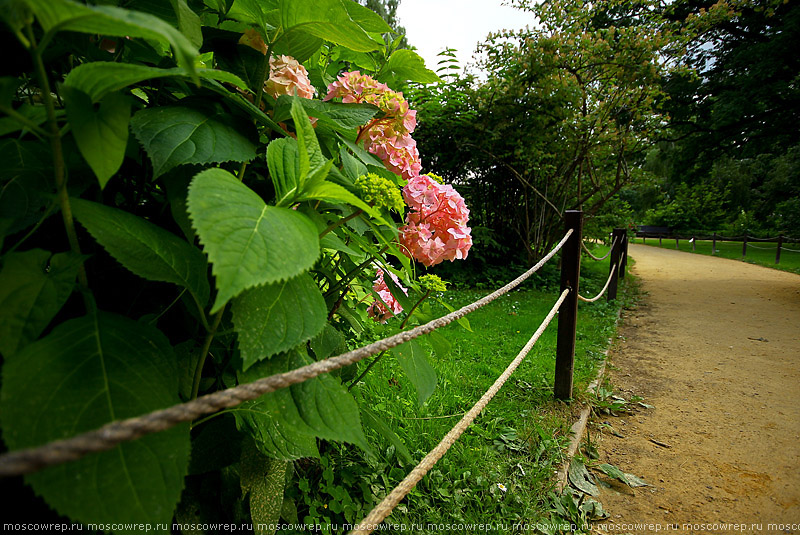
[[408, 316], [262, 75], [59, 167], [198, 371], [366, 371], [340, 222]]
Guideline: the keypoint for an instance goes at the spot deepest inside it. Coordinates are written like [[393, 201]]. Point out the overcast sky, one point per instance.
[[433, 25]]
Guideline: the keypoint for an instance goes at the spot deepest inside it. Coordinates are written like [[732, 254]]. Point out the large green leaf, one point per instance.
[[101, 133], [188, 22], [283, 161], [339, 116], [34, 285], [90, 371], [285, 422], [407, 66], [248, 242], [144, 248], [263, 479], [413, 360], [339, 21], [276, 317], [66, 15], [175, 135], [99, 78]]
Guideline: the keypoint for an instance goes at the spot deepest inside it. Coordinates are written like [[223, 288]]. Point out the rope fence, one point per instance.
[[595, 258], [110, 435], [387, 505], [603, 291], [745, 240]]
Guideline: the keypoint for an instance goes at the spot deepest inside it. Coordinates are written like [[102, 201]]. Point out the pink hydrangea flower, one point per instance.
[[288, 77], [398, 153], [436, 227], [379, 311]]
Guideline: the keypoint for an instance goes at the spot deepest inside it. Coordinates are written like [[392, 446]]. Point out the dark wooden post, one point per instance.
[[614, 265], [694, 243], [624, 263], [659, 239], [714, 244], [677, 246], [778, 252], [568, 313], [744, 246]]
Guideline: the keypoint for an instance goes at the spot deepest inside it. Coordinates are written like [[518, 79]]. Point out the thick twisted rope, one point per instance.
[[598, 296], [593, 257], [384, 509], [114, 433]]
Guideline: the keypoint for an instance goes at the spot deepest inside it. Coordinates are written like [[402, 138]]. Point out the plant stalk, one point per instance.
[[198, 371], [59, 167]]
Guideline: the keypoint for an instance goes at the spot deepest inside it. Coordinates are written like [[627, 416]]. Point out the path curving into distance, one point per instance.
[[714, 346]]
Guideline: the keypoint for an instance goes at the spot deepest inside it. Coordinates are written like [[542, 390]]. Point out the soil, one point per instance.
[[714, 347]]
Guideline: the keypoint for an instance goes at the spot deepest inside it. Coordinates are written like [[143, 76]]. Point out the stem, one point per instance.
[[352, 273], [408, 317], [59, 167], [366, 371], [198, 371], [341, 222], [33, 127]]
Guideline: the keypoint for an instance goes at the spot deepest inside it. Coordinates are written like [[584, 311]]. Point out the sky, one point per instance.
[[433, 25]]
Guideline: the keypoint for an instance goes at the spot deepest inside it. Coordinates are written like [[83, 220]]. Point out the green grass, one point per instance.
[[517, 441], [761, 253]]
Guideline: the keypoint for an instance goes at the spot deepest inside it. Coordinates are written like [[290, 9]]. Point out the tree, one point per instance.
[[567, 110]]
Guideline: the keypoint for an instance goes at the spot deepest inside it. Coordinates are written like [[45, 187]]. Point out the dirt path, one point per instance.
[[715, 347]]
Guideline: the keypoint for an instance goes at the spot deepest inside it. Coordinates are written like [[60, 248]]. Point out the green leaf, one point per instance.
[[88, 372], [66, 15], [188, 22], [283, 161], [441, 345], [263, 478], [102, 133], [407, 66], [372, 420], [612, 471], [328, 191], [328, 342], [99, 78], [216, 445], [285, 422], [581, 479], [175, 135], [341, 22], [309, 152], [34, 285], [414, 362], [276, 317], [145, 249], [248, 242], [338, 116]]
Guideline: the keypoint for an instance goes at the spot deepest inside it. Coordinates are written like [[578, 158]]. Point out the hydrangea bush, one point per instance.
[[244, 229]]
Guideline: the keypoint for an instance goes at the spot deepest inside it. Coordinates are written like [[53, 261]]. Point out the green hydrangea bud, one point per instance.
[[380, 192], [435, 177], [433, 283]]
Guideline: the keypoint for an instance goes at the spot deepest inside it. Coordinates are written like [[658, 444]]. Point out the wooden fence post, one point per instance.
[[614, 265], [778, 252], [624, 262], [568, 313], [744, 246], [694, 243], [714, 244]]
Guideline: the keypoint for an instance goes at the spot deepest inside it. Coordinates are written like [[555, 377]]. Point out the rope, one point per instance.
[[757, 247], [787, 249], [114, 433], [384, 509], [587, 251], [598, 296]]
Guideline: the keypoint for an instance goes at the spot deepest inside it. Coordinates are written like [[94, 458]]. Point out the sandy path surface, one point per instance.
[[715, 347]]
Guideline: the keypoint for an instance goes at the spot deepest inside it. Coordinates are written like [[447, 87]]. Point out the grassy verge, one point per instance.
[[501, 470], [761, 253]]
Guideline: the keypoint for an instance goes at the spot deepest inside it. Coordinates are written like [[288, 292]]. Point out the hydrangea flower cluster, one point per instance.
[[288, 77], [380, 192], [388, 137], [436, 228], [434, 283], [379, 311]]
